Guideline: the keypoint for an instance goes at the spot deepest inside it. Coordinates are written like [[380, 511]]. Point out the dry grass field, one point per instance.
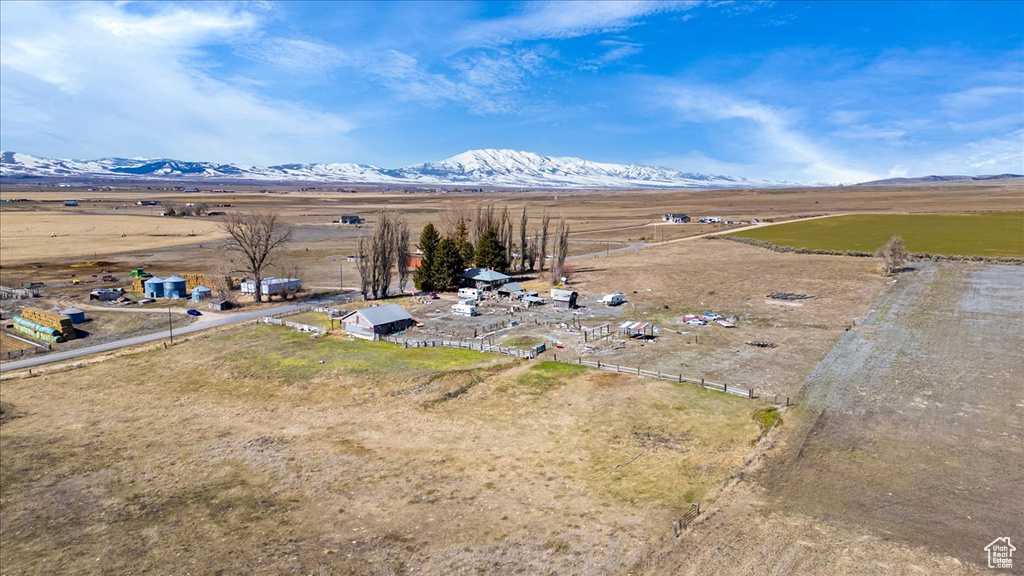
[[240, 453], [30, 236]]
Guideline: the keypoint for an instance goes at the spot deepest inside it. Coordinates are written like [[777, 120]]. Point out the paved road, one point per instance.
[[223, 320]]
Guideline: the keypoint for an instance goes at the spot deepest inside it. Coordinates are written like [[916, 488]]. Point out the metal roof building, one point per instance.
[[376, 321], [484, 278]]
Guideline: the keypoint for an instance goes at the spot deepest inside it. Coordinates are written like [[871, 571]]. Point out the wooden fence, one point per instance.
[[736, 390], [528, 353], [679, 525]]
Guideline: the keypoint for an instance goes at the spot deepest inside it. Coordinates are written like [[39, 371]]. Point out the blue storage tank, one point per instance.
[[154, 287], [174, 287], [201, 293], [77, 316]]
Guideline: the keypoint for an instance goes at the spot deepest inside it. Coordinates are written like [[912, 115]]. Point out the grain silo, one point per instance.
[[153, 287], [76, 315], [174, 287]]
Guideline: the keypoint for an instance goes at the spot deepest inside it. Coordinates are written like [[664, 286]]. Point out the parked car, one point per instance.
[[193, 312]]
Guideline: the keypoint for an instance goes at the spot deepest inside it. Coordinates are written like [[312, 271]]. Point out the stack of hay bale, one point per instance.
[[58, 322]]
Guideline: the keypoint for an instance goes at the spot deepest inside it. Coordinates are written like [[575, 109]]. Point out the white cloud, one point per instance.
[[298, 55], [89, 79], [566, 19], [781, 149]]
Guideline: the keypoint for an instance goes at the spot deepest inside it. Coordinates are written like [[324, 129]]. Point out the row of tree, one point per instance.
[[493, 246], [385, 250]]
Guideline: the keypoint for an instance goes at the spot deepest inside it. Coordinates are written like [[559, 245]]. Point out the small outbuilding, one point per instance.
[[563, 298], [512, 290], [76, 315], [106, 294], [201, 293], [153, 287], [372, 323], [350, 219], [220, 305]]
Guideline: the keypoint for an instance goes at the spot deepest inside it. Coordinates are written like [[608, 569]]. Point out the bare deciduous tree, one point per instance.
[[894, 256], [254, 237], [379, 253], [363, 265], [531, 252], [560, 250], [542, 252], [402, 252], [522, 241]]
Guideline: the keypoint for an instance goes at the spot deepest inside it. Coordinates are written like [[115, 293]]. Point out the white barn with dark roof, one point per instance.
[[371, 323]]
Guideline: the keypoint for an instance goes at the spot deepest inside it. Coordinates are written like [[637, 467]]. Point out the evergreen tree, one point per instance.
[[463, 244], [447, 265], [490, 253], [423, 276]]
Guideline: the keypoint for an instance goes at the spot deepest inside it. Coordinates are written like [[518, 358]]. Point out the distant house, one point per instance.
[[148, 203], [675, 218], [350, 219], [371, 323], [71, 202], [484, 278], [563, 298]]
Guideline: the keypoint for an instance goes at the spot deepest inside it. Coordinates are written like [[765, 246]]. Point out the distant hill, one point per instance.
[[931, 179]]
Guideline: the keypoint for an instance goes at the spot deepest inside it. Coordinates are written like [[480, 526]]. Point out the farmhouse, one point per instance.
[[371, 323], [675, 218], [563, 298], [483, 278]]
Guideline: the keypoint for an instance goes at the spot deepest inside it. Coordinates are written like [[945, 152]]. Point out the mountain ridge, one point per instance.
[[501, 168]]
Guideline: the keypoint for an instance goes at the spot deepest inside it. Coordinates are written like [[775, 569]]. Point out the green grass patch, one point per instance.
[[992, 234], [767, 417], [522, 341], [546, 375]]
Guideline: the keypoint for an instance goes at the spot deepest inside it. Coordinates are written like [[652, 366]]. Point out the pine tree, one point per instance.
[[423, 276], [463, 244], [491, 253], [447, 265]]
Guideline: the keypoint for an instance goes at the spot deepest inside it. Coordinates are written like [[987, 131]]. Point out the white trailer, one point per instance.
[[470, 293], [613, 299], [463, 310]]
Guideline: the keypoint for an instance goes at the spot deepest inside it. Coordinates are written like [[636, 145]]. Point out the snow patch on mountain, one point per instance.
[[488, 167]]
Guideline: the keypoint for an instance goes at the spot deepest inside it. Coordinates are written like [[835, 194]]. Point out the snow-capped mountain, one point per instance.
[[489, 168]]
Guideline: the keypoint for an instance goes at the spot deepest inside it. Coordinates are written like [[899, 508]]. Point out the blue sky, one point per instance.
[[833, 91]]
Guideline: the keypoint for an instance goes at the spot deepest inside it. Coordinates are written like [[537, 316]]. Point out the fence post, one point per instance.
[[680, 378], [637, 370], [751, 394], [702, 383], [598, 363]]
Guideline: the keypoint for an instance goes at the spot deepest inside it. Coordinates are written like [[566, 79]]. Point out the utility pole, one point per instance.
[[341, 276], [170, 325]]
